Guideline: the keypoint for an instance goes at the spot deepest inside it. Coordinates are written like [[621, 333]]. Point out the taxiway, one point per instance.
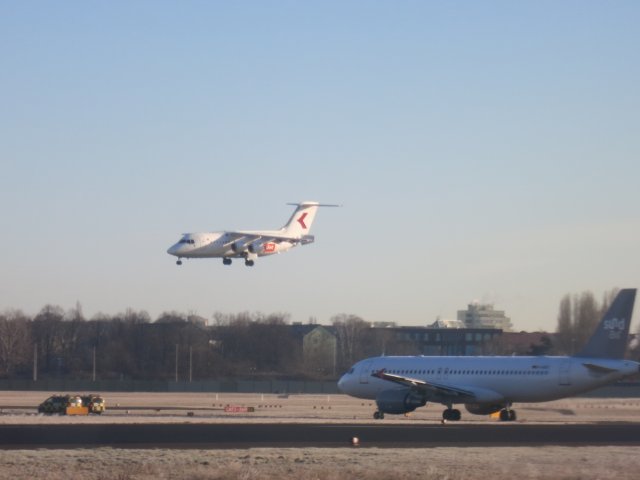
[[242, 435]]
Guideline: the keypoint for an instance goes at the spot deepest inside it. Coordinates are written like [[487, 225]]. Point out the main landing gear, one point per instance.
[[227, 261], [452, 414], [508, 415]]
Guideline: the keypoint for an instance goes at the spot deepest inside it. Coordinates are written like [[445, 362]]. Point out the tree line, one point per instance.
[[63, 344], [578, 315], [130, 346]]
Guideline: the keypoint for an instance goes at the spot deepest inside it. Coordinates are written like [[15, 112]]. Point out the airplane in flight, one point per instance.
[[486, 385], [249, 244]]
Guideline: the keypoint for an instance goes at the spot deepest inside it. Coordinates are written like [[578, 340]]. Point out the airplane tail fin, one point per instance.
[[300, 222], [611, 335]]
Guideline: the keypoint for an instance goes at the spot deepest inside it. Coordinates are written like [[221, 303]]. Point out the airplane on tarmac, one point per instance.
[[249, 244], [487, 385]]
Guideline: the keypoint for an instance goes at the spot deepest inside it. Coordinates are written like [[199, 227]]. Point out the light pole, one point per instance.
[[176, 363], [35, 362]]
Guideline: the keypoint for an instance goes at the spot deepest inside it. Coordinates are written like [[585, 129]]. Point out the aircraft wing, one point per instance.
[[430, 389], [599, 368], [268, 237]]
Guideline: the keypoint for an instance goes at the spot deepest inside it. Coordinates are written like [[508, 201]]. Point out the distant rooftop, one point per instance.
[[444, 323]]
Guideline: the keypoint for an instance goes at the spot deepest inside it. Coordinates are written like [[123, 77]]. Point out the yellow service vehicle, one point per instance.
[[95, 403], [75, 407]]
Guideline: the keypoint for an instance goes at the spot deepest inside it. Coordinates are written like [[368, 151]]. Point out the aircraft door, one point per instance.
[[365, 371], [565, 373]]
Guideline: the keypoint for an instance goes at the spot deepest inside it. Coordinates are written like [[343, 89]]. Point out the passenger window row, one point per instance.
[[469, 372]]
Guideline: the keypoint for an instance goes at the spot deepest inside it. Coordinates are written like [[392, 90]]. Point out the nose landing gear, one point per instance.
[[179, 262]]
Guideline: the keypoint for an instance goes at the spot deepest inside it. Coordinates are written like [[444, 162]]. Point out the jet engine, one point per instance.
[[239, 246], [256, 247], [399, 401], [482, 408]]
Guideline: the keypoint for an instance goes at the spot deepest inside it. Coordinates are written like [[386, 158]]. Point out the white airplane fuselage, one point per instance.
[[223, 244], [486, 385], [492, 379], [249, 244]]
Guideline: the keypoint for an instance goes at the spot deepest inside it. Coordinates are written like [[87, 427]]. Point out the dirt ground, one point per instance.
[[324, 464], [444, 463]]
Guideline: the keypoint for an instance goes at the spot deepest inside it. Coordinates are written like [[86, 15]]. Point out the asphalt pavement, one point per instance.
[[243, 435]]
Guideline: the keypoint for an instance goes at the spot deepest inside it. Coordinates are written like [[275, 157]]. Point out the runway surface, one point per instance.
[[314, 435]]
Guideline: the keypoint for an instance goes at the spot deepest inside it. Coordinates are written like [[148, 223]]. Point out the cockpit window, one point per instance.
[[187, 240]]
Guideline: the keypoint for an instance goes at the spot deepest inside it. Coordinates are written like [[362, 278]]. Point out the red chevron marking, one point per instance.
[[301, 220]]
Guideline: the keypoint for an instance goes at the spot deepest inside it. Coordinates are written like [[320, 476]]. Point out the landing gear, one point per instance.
[[226, 261], [378, 415], [179, 262], [248, 263], [452, 414], [507, 415]]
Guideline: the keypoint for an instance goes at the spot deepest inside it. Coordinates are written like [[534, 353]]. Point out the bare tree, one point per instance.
[[634, 347], [351, 332], [14, 341], [46, 333], [578, 317]]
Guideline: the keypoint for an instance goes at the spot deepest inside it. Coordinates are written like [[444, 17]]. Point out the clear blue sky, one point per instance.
[[482, 150]]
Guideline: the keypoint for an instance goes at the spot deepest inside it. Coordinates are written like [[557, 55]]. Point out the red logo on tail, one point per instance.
[[301, 220]]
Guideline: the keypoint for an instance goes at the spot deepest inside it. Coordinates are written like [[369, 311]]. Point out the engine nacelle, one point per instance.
[[239, 246], [399, 401], [256, 247], [482, 408]]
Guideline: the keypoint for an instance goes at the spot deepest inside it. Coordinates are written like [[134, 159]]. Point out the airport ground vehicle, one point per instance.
[[95, 403], [54, 404], [72, 405]]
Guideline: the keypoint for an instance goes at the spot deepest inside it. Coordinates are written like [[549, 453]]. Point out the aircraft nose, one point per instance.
[[173, 249], [342, 384]]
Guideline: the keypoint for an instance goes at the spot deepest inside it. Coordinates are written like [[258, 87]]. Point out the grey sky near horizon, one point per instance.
[[482, 151]]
